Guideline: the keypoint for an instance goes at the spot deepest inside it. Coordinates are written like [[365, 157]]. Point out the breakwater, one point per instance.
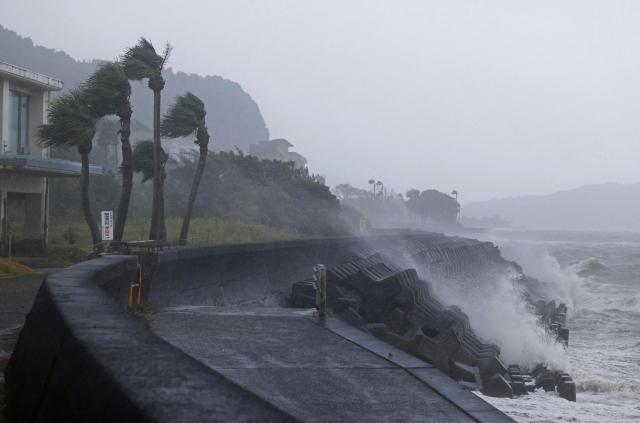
[[81, 355]]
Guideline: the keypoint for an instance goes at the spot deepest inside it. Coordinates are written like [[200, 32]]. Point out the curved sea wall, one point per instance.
[[82, 357]]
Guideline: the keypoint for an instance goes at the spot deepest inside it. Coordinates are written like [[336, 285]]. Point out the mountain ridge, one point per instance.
[[234, 118], [605, 206]]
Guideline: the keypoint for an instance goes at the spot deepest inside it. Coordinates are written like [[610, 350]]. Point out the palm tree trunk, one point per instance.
[[203, 141], [158, 229], [127, 180], [86, 206]]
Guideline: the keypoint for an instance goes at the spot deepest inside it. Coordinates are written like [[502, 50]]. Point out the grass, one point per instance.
[[57, 256], [210, 231], [10, 268], [202, 231]]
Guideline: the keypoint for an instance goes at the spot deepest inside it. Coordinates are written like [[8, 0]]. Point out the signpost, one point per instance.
[[107, 225]]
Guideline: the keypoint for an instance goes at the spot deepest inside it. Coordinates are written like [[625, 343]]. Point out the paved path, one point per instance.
[[16, 297], [318, 373]]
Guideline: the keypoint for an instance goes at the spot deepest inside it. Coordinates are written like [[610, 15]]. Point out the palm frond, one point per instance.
[[107, 91], [143, 159], [141, 61], [70, 122], [184, 117], [165, 54]]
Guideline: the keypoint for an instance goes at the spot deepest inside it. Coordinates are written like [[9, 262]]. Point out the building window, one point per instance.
[[18, 123]]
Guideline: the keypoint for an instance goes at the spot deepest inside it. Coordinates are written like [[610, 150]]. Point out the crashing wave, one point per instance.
[[590, 267], [600, 385]]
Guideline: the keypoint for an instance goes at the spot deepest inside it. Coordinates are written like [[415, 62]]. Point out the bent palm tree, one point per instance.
[[72, 125], [186, 117], [142, 62], [108, 93]]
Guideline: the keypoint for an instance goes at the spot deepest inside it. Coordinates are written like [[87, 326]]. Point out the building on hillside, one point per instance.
[[25, 167], [277, 149]]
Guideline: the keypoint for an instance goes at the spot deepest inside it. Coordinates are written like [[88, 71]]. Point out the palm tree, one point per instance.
[[142, 62], [372, 182], [380, 191], [71, 124], [108, 93], [413, 193], [187, 117]]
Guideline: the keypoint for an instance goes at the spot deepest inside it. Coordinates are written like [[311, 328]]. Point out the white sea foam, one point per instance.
[[603, 345], [547, 407], [589, 267]]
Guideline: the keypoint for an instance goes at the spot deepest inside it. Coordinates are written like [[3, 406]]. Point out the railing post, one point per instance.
[[320, 278], [135, 288]]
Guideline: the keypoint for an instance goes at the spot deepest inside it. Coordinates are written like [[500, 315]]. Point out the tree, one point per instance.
[[143, 162], [108, 92], [413, 193], [71, 124], [434, 205], [381, 190], [187, 117], [142, 62]]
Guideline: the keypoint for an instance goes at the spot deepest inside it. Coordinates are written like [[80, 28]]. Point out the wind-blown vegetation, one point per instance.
[[142, 62], [71, 124], [108, 93], [240, 190], [257, 199], [187, 117]]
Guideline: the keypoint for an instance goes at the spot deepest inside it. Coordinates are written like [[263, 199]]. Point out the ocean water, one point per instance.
[[598, 275]]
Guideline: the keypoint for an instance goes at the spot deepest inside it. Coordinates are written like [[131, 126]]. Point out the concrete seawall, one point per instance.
[[82, 357]]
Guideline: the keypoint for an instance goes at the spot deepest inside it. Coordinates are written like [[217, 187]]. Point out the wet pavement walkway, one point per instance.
[[327, 372], [16, 297]]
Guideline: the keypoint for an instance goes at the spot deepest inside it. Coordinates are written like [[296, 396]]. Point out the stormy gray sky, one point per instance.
[[492, 98]]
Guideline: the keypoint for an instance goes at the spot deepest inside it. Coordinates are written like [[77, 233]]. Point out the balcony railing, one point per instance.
[[31, 76], [43, 166]]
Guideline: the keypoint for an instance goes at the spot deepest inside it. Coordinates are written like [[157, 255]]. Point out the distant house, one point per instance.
[[25, 167], [277, 149]]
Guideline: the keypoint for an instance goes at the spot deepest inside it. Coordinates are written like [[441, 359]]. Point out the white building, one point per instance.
[[25, 167], [277, 149]]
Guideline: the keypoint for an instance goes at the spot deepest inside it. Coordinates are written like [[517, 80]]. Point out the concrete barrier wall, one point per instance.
[[80, 358], [262, 274], [242, 275]]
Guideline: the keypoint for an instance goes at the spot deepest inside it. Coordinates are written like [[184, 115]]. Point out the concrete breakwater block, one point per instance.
[[396, 306], [555, 319], [551, 381], [399, 307]]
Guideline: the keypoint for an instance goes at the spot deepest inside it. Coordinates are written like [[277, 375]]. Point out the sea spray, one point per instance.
[[498, 313], [563, 285], [603, 345], [494, 301]]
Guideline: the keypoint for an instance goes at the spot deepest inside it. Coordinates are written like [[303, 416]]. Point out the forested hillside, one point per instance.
[[234, 187]]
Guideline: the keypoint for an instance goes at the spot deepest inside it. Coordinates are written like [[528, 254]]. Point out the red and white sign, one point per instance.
[[107, 225]]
